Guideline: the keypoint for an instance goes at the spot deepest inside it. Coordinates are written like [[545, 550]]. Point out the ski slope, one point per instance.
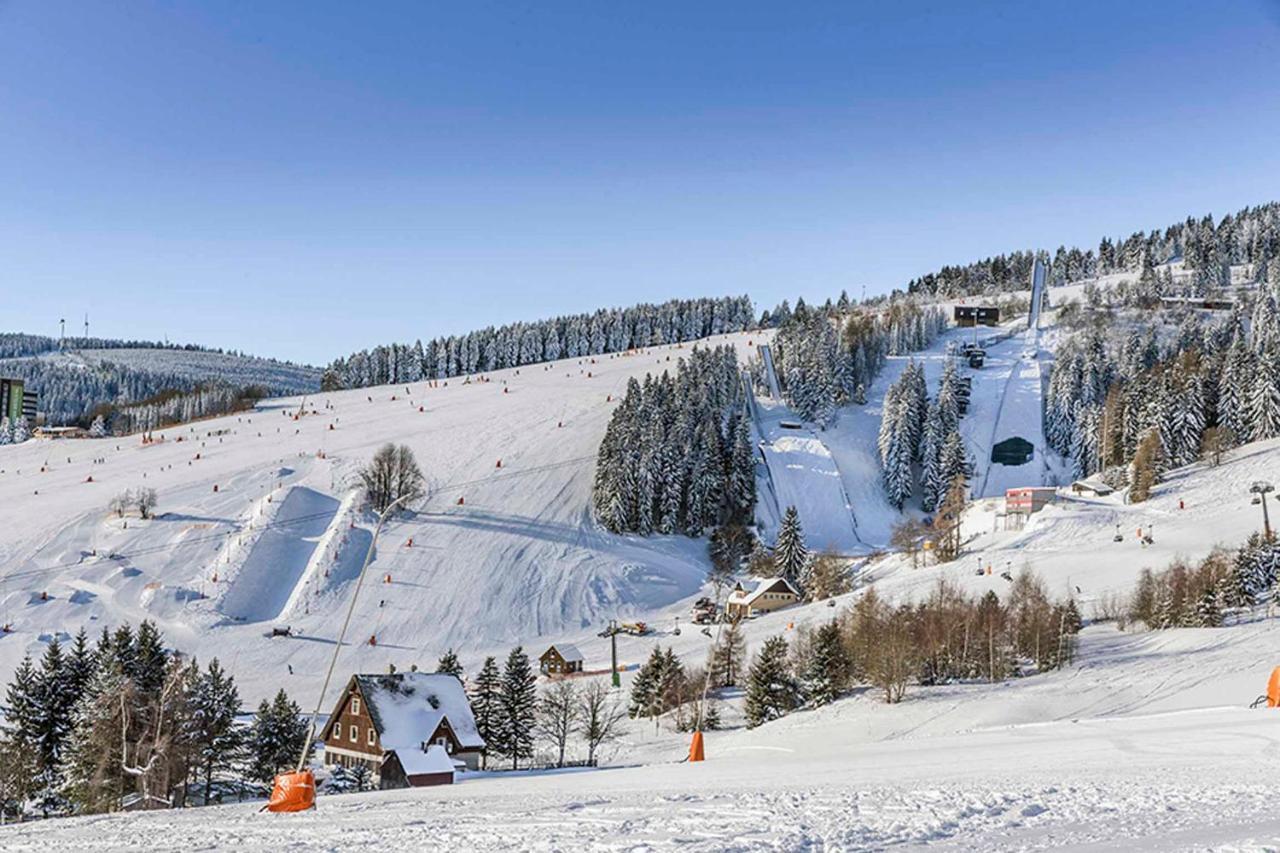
[[257, 526]]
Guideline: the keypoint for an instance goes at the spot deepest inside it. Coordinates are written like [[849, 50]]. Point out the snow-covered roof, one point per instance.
[[416, 762], [757, 587], [568, 651], [1093, 486], [407, 707]]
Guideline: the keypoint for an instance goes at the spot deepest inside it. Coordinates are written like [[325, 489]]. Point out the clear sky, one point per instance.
[[303, 179]]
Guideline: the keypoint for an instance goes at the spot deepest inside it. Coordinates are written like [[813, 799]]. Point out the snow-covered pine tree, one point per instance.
[[218, 739], [789, 552], [450, 665], [1264, 396], [517, 703], [772, 691], [276, 737], [824, 668]]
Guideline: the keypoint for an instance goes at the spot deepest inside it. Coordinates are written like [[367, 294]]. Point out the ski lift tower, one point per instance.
[[1261, 488]]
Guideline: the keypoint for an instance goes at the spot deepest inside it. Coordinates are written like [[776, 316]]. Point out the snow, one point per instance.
[[408, 706], [416, 762]]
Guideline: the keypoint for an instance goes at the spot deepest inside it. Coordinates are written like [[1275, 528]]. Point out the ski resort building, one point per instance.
[[1028, 499], [760, 595], [976, 315], [564, 659], [407, 729]]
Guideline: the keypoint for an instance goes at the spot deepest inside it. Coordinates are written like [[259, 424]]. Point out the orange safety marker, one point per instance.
[[1273, 689]]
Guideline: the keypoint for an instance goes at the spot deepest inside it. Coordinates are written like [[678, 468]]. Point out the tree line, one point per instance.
[[1131, 407], [919, 440], [1248, 236], [827, 357], [676, 456], [947, 637], [517, 344], [1200, 595], [126, 722]]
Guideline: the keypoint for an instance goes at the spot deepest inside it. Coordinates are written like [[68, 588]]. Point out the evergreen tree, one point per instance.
[[218, 740], [789, 552], [486, 698], [772, 691], [276, 738], [728, 657], [824, 669], [450, 664], [517, 705]]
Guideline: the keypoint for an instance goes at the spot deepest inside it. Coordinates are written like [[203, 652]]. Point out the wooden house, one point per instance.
[[561, 659], [760, 595], [389, 724]]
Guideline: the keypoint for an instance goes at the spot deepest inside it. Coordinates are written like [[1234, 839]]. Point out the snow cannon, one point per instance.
[[695, 748], [293, 792], [1273, 689]]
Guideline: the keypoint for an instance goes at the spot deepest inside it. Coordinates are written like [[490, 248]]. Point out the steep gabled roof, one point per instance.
[[568, 651], [747, 594], [407, 707]]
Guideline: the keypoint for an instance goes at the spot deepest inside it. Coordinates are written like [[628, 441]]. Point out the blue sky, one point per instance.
[[303, 179]]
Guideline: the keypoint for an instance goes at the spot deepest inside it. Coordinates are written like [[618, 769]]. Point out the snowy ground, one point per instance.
[[1031, 765]]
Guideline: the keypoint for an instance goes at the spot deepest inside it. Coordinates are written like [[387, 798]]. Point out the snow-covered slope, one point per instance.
[[257, 527]]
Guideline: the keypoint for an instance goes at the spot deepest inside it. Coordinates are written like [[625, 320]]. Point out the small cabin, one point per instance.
[[561, 659], [760, 595], [1091, 488]]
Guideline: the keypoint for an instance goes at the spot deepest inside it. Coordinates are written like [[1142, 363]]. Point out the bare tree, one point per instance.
[[558, 711], [907, 536], [145, 501], [600, 713], [1215, 445], [391, 475], [120, 503]]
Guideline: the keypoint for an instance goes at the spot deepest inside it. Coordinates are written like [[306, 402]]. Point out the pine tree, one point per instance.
[[276, 737], [824, 669], [1264, 397], [218, 740], [789, 552], [517, 704], [450, 664], [772, 692], [486, 697]]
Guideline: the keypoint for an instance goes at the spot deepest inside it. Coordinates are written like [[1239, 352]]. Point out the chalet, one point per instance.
[[760, 595], [1091, 488], [400, 726], [562, 659]]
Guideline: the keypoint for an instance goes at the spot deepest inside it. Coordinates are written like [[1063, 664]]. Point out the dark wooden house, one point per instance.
[[561, 659], [389, 723]]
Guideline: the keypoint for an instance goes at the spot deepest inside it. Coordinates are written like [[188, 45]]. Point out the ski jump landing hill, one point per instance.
[[800, 471]]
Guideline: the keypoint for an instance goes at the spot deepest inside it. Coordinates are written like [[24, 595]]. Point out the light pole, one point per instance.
[[1261, 488]]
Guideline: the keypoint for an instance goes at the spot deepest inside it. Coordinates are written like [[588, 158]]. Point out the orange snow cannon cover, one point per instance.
[[293, 792], [1273, 689], [695, 748]]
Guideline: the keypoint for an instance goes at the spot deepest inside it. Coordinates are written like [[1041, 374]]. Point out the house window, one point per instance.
[[371, 736], [355, 705], [337, 732], [355, 734]]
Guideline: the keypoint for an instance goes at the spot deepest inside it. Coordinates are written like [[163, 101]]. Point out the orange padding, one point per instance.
[[1273, 689], [695, 748], [293, 792]]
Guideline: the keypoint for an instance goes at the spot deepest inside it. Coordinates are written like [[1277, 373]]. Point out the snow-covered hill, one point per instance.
[[257, 526]]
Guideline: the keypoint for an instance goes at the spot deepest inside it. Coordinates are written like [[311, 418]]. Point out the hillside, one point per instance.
[[73, 381]]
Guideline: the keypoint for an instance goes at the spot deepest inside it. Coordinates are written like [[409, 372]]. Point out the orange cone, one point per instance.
[[1273, 689], [293, 792], [695, 748]]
